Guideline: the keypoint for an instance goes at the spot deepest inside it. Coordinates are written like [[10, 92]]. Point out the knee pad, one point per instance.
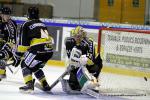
[[82, 79]]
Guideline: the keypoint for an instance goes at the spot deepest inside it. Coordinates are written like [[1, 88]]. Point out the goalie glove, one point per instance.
[[83, 60], [74, 60]]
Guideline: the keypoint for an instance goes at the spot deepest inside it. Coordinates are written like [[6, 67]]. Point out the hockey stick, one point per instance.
[[60, 77], [37, 85], [7, 65], [13, 72]]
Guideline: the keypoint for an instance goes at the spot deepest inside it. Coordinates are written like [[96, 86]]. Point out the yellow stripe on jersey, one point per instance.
[[22, 48], [90, 62], [2, 71], [27, 78], [36, 41]]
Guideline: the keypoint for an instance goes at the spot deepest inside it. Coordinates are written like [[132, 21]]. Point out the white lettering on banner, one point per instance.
[[127, 43]]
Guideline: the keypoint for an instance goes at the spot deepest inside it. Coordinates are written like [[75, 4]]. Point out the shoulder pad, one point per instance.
[[69, 40]]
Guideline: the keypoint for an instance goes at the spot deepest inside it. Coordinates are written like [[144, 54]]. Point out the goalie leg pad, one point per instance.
[[66, 88], [91, 92], [86, 80], [82, 79]]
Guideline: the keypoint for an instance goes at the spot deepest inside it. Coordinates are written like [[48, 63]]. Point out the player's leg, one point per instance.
[[87, 81], [39, 74], [27, 75], [2, 69], [42, 58], [5, 54], [72, 84]]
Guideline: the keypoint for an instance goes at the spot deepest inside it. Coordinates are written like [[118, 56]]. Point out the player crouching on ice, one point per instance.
[[85, 63]]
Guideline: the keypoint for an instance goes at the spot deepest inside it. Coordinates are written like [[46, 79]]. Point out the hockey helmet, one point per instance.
[[33, 13], [77, 33], [6, 10], [72, 32], [80, 30]]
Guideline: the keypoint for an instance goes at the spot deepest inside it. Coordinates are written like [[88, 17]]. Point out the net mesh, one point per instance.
[[125, 55]]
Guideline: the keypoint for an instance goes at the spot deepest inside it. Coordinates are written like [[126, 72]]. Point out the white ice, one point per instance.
[[9, 88]]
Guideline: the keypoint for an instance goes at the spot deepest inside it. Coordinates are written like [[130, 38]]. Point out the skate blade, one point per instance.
[[27, 91]]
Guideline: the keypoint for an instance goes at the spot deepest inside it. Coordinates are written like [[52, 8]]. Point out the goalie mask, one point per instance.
[[33, 13], [78, 33]]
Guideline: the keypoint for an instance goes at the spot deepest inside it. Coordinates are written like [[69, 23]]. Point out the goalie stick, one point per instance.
[[60, 77], [37, 85]]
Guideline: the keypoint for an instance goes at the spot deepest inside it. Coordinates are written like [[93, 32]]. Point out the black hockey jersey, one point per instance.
[[86, 46], [8, 31], [1, 35], [34, 33]]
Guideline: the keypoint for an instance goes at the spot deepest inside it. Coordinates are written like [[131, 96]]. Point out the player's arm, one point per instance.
[[22, 46], [23, 42], [69, 43], [91, 51]]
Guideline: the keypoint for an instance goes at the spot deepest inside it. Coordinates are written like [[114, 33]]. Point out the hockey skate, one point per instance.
[[29, 88], [45, 87]]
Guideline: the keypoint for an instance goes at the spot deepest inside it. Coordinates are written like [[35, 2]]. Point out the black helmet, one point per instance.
[[33, 13], [6, 10]]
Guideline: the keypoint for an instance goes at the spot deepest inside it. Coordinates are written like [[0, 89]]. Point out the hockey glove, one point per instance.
[[16, 59], [83, 60]]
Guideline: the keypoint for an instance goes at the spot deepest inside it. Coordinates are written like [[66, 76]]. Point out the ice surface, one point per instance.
[[9, 88]]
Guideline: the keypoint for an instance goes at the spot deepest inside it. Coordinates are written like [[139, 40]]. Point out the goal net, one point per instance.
[[126, 61]]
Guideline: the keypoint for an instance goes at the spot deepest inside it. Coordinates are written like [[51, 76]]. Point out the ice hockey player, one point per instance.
[[35, 46], [85, 63], [8, 31]]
